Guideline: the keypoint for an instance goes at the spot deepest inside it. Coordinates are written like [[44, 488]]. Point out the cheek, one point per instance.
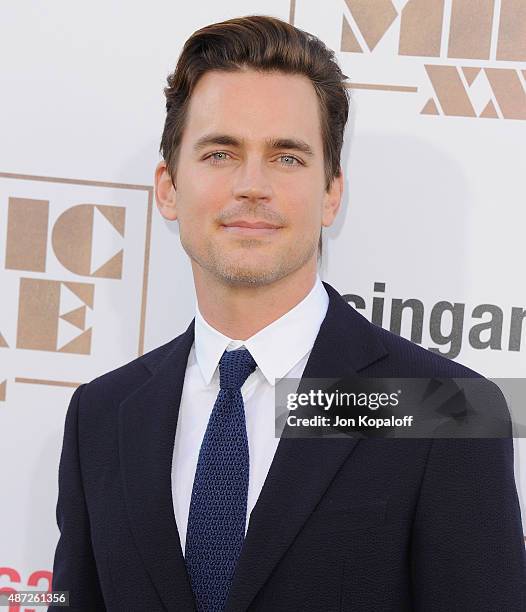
[[201, 189], [306, 214], [201, 203]]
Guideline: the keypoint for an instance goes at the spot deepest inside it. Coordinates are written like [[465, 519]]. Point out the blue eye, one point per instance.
[[291, 157], [217, 153], [217, 161]]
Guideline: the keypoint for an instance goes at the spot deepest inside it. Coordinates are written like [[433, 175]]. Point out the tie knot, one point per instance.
[[234, 368]]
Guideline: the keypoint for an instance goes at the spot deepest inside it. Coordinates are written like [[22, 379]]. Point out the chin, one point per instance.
[[249, 275]]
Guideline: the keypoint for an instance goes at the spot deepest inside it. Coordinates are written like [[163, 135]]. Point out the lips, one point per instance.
[[250, 228], [252, 224]]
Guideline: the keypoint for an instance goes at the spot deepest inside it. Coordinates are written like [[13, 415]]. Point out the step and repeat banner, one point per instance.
[[430, 241]]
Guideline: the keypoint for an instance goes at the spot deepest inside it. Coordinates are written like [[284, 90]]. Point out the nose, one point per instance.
[[251, 182]]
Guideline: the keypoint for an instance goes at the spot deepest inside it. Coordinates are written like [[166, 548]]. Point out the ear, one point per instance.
[[332, 200], [165, 192]]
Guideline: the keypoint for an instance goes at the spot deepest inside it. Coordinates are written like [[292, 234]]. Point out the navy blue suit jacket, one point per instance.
[[340, 524]]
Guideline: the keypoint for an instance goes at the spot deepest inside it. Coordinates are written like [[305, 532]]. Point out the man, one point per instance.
[[174, 493]]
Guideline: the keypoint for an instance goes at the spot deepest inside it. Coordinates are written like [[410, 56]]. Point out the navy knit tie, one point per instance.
[[218, 507]]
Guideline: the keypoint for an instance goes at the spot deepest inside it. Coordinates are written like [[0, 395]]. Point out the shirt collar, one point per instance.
[[277, 347]]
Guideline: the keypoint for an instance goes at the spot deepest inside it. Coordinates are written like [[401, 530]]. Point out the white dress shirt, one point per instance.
[[279, 349]]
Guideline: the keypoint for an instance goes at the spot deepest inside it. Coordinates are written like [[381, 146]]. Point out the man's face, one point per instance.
[[232, 172]]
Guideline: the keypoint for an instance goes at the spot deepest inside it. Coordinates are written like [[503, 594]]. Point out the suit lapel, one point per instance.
[[147, 424], [346, 343]]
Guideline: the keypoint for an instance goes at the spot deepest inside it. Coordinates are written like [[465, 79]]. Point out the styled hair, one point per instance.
[[266, 44]]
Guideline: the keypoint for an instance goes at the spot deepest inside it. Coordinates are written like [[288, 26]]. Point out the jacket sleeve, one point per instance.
[[468, 548], [74, 568]]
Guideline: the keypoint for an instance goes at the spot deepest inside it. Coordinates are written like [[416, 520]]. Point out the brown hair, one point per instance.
[[260, 43]]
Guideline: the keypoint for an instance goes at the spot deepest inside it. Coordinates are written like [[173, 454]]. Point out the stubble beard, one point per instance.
[[239, 271]]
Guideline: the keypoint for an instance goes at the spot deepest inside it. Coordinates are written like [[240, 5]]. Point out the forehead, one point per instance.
[[254, 105]]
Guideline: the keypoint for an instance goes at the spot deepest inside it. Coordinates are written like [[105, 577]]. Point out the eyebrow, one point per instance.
[[295, 144]]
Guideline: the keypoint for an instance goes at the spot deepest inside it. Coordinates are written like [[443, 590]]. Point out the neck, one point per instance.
[[239, 312]]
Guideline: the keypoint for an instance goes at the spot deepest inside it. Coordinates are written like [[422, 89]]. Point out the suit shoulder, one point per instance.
[[408, 359], [124, 379]]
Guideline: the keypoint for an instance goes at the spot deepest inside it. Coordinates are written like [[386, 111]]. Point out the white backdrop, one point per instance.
[[92, 276]]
